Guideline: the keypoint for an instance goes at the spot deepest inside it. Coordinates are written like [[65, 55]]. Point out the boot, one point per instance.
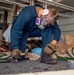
[[48, 59]]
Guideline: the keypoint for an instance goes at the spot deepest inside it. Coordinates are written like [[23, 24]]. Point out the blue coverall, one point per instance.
[[24, 26]]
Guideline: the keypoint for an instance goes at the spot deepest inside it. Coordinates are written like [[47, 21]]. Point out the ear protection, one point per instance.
[[45, 12]]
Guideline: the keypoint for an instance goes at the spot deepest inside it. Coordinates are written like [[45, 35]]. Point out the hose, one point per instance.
[[4, 51], [4, 55], [71, 52], [3, 48]]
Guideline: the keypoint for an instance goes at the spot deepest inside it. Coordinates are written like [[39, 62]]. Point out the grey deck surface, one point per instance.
[[28, 66]]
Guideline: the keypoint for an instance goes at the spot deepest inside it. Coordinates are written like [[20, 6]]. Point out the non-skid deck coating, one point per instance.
[[28, 66]]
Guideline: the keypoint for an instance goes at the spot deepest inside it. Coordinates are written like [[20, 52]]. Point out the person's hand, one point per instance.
[[16, 53], [49, 49]]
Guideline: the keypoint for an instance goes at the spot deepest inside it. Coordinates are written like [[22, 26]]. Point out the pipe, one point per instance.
[[12, 2], [58, 5], [1, 7], [48, 2], [64, 15], [25, 1]]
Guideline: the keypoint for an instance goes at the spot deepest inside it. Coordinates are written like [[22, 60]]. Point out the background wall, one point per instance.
[[67, 25]]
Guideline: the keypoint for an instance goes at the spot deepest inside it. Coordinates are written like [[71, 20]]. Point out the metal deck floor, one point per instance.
[[28, 66]]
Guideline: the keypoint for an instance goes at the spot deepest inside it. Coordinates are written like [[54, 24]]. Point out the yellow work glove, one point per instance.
[[16, 53], [49, 49]]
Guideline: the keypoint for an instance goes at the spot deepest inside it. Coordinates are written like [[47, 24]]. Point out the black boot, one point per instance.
[[48, 59]]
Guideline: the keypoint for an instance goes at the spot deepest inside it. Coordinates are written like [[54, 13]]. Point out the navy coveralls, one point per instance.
[[24, 26]]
